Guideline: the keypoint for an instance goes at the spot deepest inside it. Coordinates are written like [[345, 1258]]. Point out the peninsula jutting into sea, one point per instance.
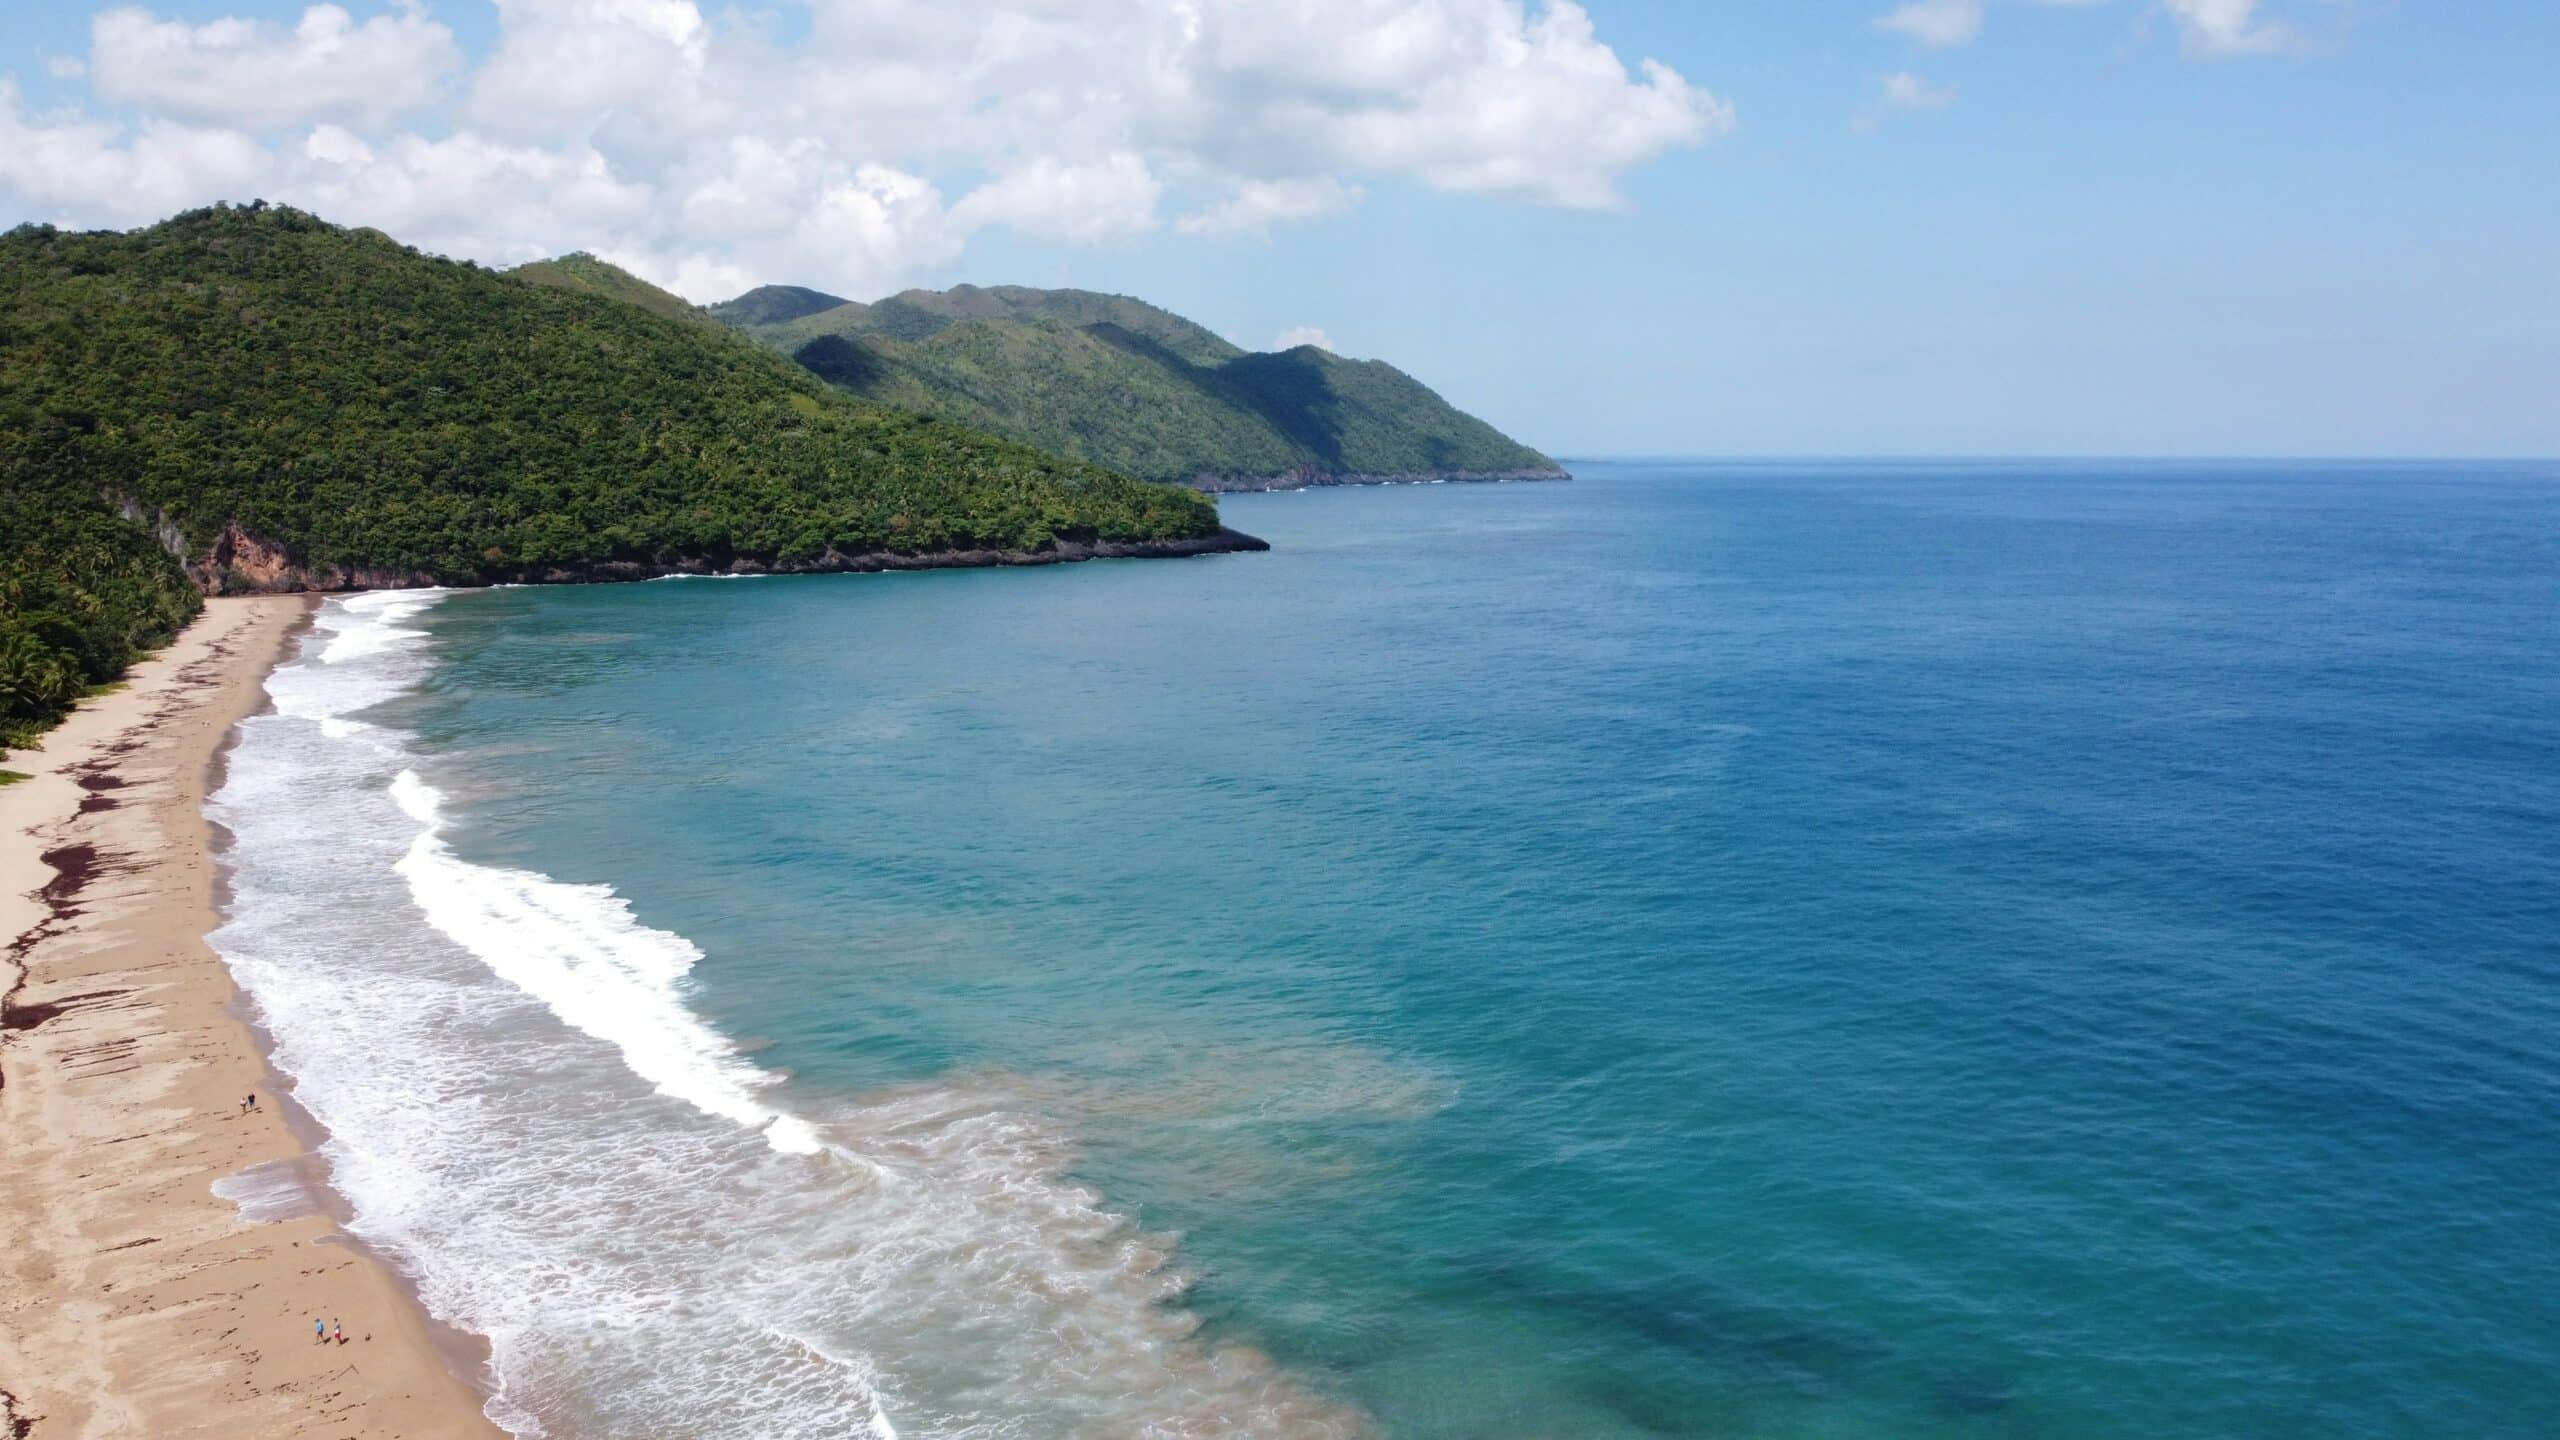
[[834, 719]]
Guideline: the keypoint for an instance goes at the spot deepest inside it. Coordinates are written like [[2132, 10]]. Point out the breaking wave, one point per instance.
[[652, 1233]]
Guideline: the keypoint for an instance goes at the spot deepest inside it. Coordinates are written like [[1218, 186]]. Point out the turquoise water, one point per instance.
[[1777, 951]]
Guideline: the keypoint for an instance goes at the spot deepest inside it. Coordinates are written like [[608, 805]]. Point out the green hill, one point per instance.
[[1121, 383], [249, 398], [581, 271], [773, 305]]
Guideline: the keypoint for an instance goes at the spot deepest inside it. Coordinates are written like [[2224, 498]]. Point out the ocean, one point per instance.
[[1752, 950]]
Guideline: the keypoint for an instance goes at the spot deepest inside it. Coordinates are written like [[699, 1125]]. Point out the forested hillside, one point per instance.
[[285, 403], [1122, 383], [83, 593]]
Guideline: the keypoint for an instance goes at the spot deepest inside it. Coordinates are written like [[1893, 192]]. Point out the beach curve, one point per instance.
[[137, 1301]]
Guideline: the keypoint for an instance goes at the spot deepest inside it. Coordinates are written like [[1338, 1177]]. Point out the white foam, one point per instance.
[[577, 950], [369, 624], [879, 1427], [573, 1163], [272, 1190]]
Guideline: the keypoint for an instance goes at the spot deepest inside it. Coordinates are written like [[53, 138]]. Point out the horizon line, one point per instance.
[[1987, 457]]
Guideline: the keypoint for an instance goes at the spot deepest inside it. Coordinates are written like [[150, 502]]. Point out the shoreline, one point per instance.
[[1294, 480], [137, 1301], [239, 564]]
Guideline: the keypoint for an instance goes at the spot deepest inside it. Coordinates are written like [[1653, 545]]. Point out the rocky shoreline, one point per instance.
[[1308, 479], [239, 564]]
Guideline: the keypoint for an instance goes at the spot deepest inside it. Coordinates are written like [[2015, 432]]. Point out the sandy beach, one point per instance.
[[134, 1301]]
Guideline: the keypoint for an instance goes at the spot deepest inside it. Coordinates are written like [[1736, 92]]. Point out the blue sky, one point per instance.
[[2328, 227]]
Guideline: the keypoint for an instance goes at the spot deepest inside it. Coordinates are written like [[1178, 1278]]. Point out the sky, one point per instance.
[[1613, 227]]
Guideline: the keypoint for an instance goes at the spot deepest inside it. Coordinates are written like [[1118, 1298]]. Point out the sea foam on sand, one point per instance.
[[526, 1110]]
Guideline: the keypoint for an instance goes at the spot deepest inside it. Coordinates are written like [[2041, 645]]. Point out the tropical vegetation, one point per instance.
[[1121, 383], [83, 593], [251, 382]]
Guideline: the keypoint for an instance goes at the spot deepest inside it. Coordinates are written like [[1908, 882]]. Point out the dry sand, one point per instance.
[[133, 1302]]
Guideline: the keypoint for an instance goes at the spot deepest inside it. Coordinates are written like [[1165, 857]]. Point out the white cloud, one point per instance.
[[1465, 97], [703, 278], [464, 194], [1903, 90], [707, 148], [798, 212], [879, 227], [752, 186], [1486, 96], [2210, 29], [1080, 204], [79, 171], [643, 67], [65, 67], [2222, 29], [1937, 22], [1257, 207], [1472, 95], [257, 75], [1296, 336]]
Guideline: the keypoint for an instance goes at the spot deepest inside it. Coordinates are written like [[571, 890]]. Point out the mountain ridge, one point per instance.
[[1119, 382], [773, 305]]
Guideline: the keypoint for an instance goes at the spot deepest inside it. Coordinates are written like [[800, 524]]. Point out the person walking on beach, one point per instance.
[[338, 1332], [250, 1103], [319, 1332]]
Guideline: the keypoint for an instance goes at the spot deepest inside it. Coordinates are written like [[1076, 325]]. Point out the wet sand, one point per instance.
[[133, 1301]]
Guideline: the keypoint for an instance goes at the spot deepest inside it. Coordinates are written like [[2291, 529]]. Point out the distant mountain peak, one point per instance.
[[581, 270], [775, 305], [1122, 383]]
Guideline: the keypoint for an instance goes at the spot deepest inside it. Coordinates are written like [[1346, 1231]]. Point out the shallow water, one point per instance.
[[1701, 950]]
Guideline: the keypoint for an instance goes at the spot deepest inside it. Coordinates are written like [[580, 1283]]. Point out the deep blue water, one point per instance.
[[1721, 950]]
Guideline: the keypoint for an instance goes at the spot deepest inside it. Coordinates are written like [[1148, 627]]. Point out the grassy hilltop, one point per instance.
[[584, 272]]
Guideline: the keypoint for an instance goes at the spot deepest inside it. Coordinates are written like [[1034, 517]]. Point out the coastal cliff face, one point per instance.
[[1308, 477], [239, 563]]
